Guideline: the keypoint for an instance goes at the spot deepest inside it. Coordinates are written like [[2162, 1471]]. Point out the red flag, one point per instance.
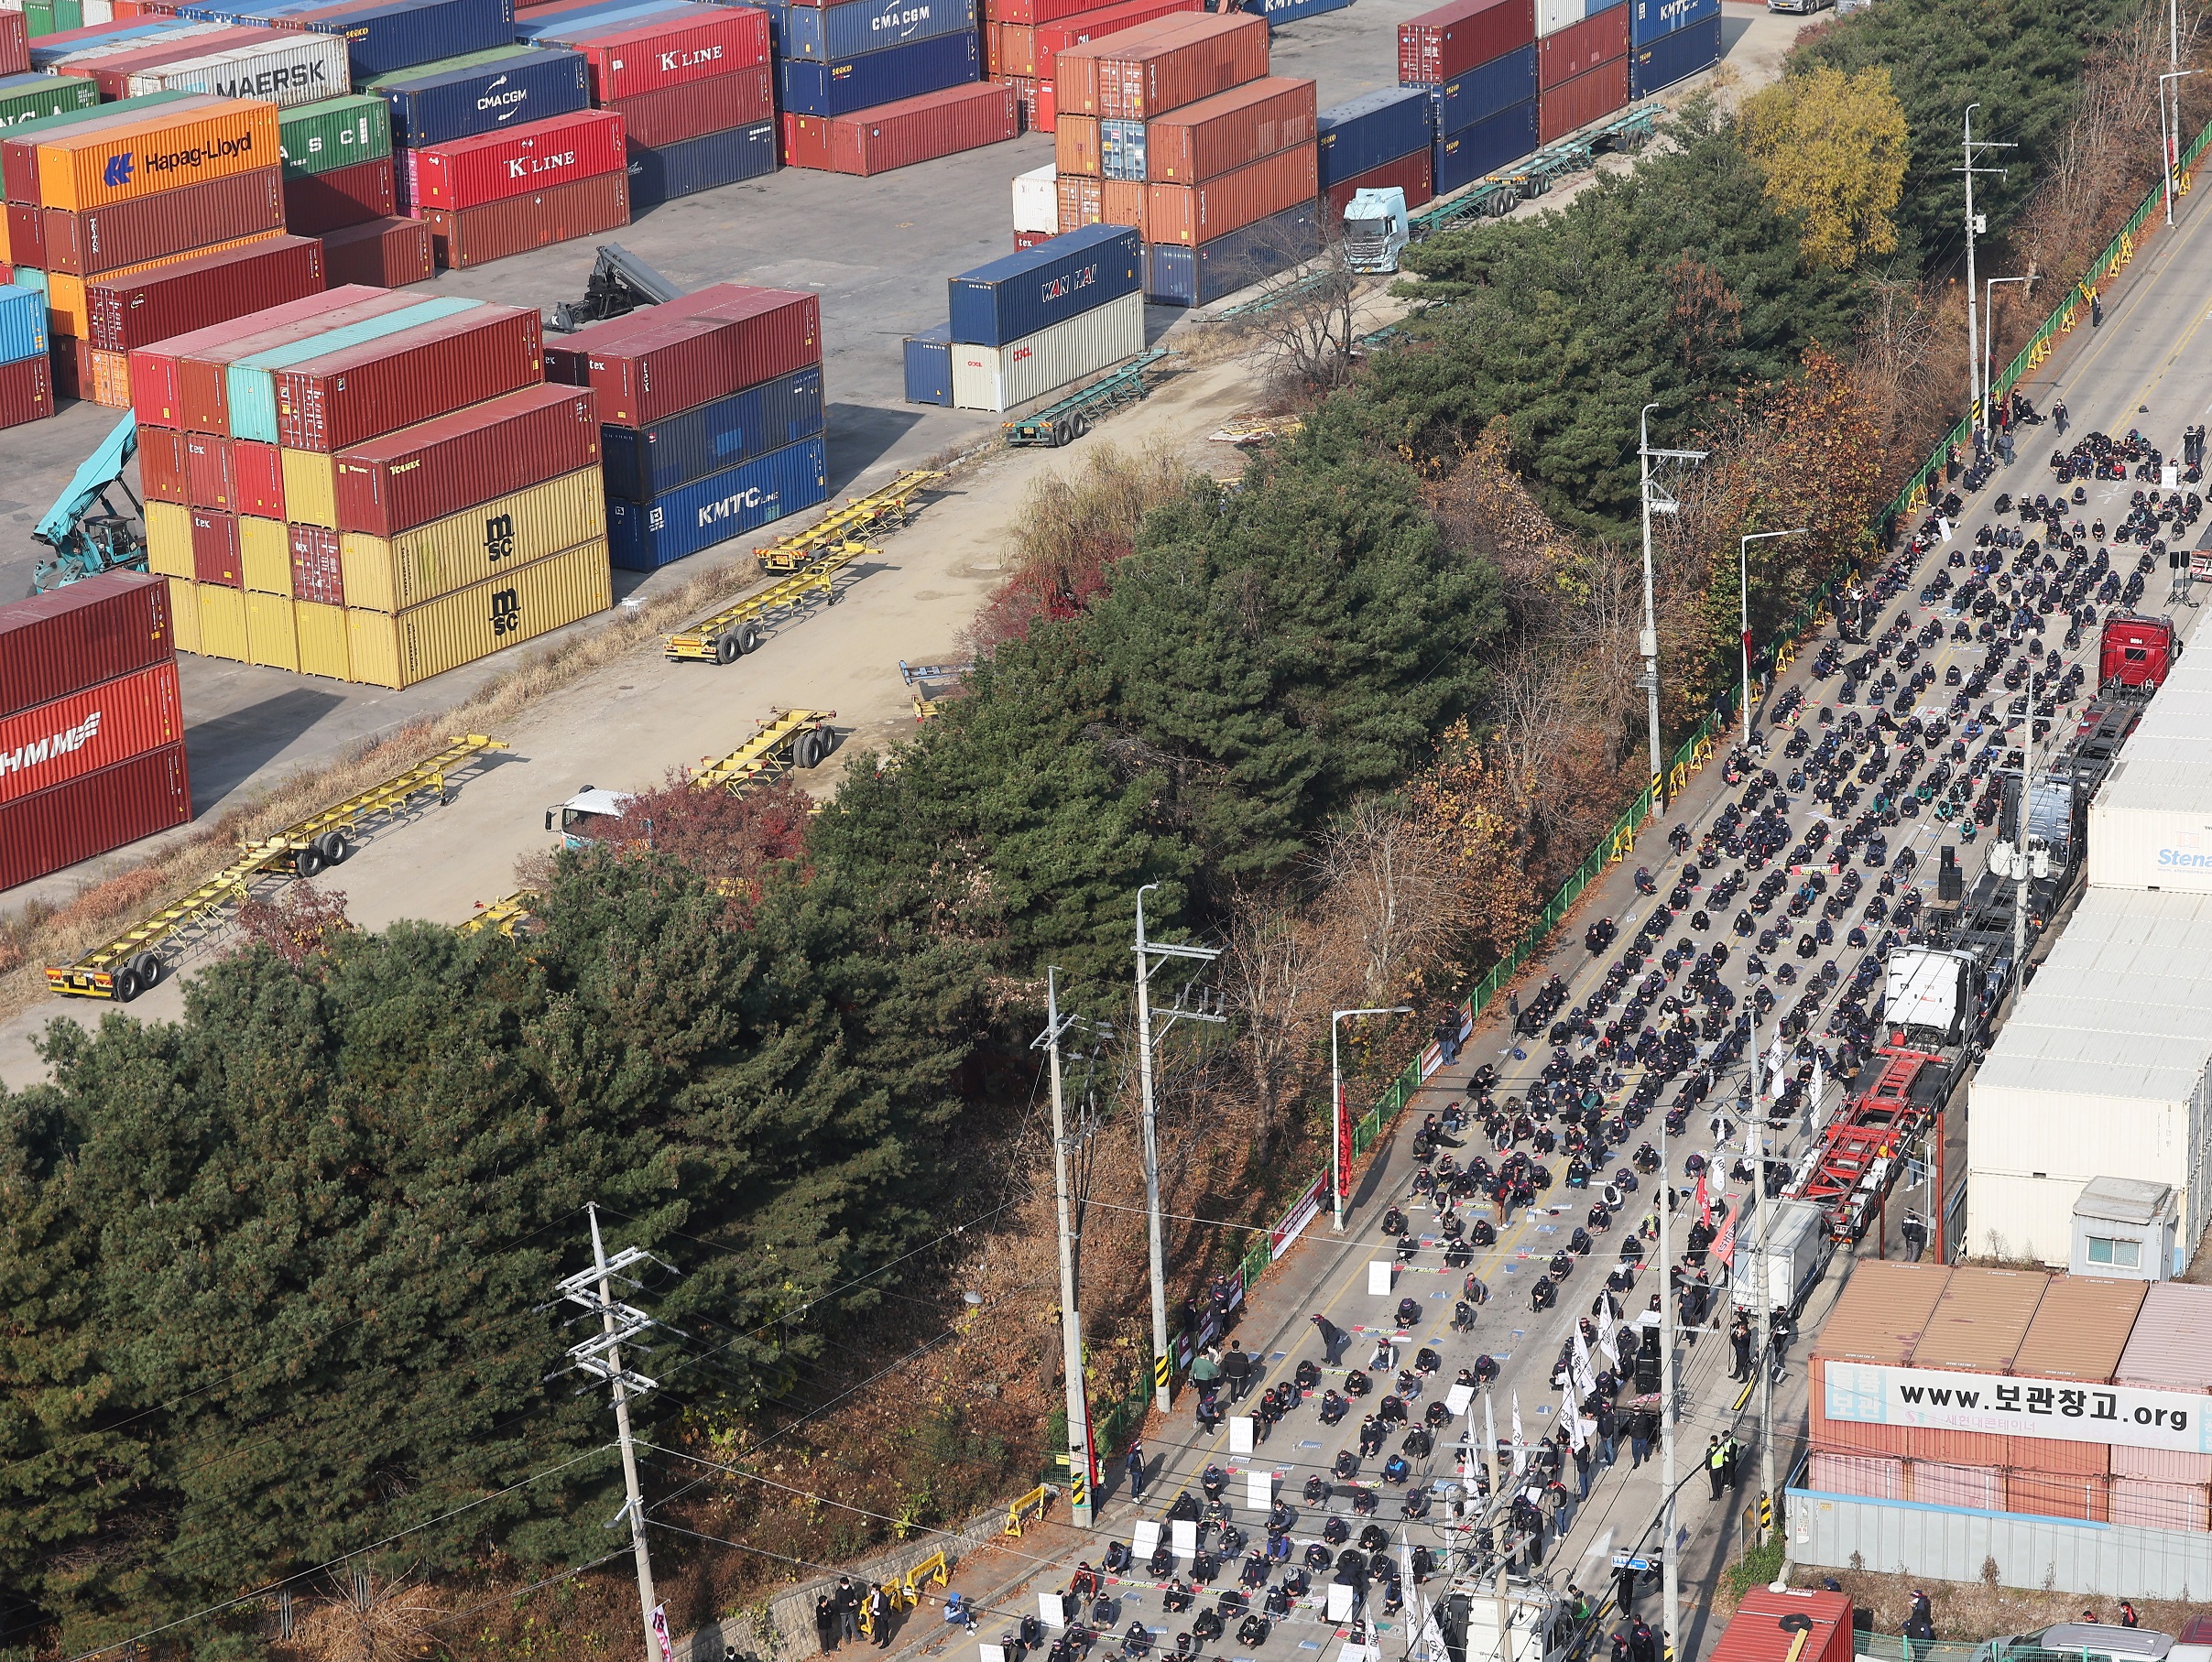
[[1723, 1248], [1704, 1202]]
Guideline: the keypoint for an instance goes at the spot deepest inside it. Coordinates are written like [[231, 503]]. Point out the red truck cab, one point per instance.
[[2136, 651]]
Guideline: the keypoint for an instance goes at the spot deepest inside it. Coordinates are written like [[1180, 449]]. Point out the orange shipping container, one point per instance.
[[1122, 202], [156, 153], [1230, 130], [2083, 1498], [1879, 1477], [1188, 215], [1792, 1625], [1013, 49], [1075, 67], [1082, 202], [1879, 1317], [1978, 1327], [1936, 1484], [1075, 146], [1210, 54], [2081, 1328], [112, 379], [2150, 1505]]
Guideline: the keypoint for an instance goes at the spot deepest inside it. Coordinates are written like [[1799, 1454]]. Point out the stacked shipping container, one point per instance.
[[1670, 40], [1035, 321], [27, 382], [1025, 37], [1376, 142]]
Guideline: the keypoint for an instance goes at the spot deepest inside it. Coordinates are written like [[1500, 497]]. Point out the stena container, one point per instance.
[[929, 367], [644, 536], [1018, 295], [998, 378], [645, 463], [1359, 135]]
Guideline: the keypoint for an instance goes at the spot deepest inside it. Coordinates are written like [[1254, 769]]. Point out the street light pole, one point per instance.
[[1974, 396], [1648, 640], [1988, 344], [1336, 1137], [1743, 587]]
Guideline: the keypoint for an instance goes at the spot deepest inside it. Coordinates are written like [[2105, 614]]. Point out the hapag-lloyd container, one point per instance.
[[1022, 294], [127, 310], [1219, 134], [96, 629], [1194, 276], [627, 58], [644, 536], [1648, 20], [393, 573], [1673, 57], [1589, 97], [333, 133], [900, 134], [1484, 91], [157, 379], [648, 366], [1192, 215], [398, 650], [845, 84], [1458, 159], [421, 473], [1030, 50], [1358, 136], [1189, 57], [387, 252], [481, 92], [84, 732], [249, 392], [1456, 37], [1582, 47], [296, 70], [1414, 174], [659, 173], [342, 197], [743, 98], [163, 151], [847, 30], [359, 392], [126, 234], [462, 237], [85, 817], [492, 166], [19, 145], [1000, 377], [642, 464], [30, 97]]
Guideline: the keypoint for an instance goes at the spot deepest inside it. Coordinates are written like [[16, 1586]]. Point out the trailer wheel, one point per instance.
[[1082, 424], [1062, 433], [147, 968], [748, 638], [802, 751], [125, 984], [727, 649], [335, 847], [307, 862]]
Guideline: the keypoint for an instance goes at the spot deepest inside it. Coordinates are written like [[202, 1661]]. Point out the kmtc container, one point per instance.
[[845, 84], [481, 92], [162, 151], [1651, 20], [1197, 276], [123, 313], [1189, 58], [73, 821], [127, 233], [342, 197], [1461, 159], [1191, 214], [1360, 136], [1484, 91], [670, 48], [249, 392], [392, 573], [398, 650], [1456, 36], [342, 397], [644, 536], [297, 69], [1582, 47], [158, 372], [642, 463], [31, 97], [661, 173], [929, 368], [1230, 130], [1019, 296], [1000, 377], [826, 32], [492, 166], [1673, 57], [1416, 175], [334, 133], [421, 473], [97, 629], [84, 732], [743, 98], [462, 237], [901, 134], [19, 143], [647, 367]]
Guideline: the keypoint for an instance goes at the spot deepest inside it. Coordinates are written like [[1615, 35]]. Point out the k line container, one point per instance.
[[743, 98], [157, 377], [1651, 20], [481, 92], [26, 391], [1230, 130], [361, 391], [123, 311], [664, 172], [298, 70], [387, 253], [127, 233], [670, 49], [1360, 136], [519, 161], [827, 32], [1582, 47], [1029, 50], [97, 629], [1456, 37], [1207, 54], [642, 464], [392, 573], [644, 536], [1576, 103], [1461, 159], [1673, 57], [1192, 215], [421, 473], [1001, 377], [1412, 174], [929, 368], [334, 133], [496, 230], [1195, 277], [1017, 297], [1484, 90], [323, 202], [398, 650], [898, 135], [845, 84], [60, 826], [28, 97], [162, 151], [647, 367], [249, 392]]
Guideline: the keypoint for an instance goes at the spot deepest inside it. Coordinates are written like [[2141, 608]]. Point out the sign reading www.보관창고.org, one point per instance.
[[1995, 1403]]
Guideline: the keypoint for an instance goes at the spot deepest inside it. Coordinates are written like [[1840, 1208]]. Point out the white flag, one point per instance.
[[1521, 1452], [1820, 1088], [661, 1632], [1778, 1057], [1606, 1341], [1585, 1376], [1490, 1433], [1574, 1420]]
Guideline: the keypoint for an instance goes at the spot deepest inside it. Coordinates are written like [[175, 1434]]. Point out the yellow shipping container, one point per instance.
[[184, 613], [310, 488], [169, 540], [264, 555], [67, 311], [221, 622], [271, 636], [164, 151], [323, 646], [392, 573], [398, 650]]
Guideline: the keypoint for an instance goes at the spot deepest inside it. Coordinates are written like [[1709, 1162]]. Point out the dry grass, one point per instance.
[[1979, 1610]]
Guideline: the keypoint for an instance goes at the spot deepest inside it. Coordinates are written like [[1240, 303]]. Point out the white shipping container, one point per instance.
[[299, 68], [999, 377], [99, 11], [1798, 1245], [1036, 199], [2164, 842], [1552, 16]]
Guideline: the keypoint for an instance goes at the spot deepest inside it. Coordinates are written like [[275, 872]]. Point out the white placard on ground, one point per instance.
[[1240, 1434], [1186, 1537], [1340, 1604], [1360, 1652], [993, 1653], [1259, 1488], [1145, 1540], [1052, 1608], [1457, 1398], [1378, 1277]]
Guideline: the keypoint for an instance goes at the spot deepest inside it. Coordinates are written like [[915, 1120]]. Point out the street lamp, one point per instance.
[[1988, 347], [2166, 146], [1743, 568], [1336, 1104]]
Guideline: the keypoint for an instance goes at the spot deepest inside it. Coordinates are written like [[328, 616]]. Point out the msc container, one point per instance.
[[1193, 57], [929, 368], [692, 43], [392, 573], [492, 166], [1221, 134], [842, 86], [158, 375], [163, 151], [398, 650], [1017, 297], [1651, 20], [124, 311], [863, 25], [2151, 1505], [1360, 136], [644, 536], [1029, 50], [1194, 276], [421, 473], [22, 322], [1582, 46], [96, 629], [334, 133], [296, 70], [249, 392], [1484, 91], [1191, 214], [1414, 174], [642, 464], [898, 135], [1000, 377], [27, 390], [1037, 201], [1874, 1476], [383, 35], [647, 367], [481, 92], [323, 202], [129, 233], [743, 98], [384, 253], [1576, 103], [344, 397], [318, 573], [60, 826], [1456, 37], [1673, 57], [1461, 159], [28, 97], [474, 236], [161, 475]]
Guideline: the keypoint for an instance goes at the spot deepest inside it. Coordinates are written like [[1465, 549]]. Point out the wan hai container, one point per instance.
[[1024, 293], [1000, 377]]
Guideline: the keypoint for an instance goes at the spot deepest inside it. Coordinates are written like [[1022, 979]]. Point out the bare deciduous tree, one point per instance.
[[1304, 317], [1390, 886], [1278, 973]]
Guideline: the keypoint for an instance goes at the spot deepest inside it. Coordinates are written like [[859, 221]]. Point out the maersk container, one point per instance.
[[840, 86], [929, 367], [22, 322], [644, 536], [1359, 135], [1670, 58], [295, 69], [661, 173], [645, 463], [1198, 277], [1650, 21], [1461, 159], [481, 92], [1001, 377], [827, 32], [1484, 90], [30, 97], [1019, 296], [91, 631]]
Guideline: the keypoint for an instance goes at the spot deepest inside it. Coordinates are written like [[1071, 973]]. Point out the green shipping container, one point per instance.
[[38, 18], [336, 132], [69, 118], [32, 97]]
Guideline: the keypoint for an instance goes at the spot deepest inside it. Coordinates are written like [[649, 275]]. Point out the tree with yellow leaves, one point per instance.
[[1834, 150]]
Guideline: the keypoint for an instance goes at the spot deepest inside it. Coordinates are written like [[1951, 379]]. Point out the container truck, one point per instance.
[[1799, 1243]]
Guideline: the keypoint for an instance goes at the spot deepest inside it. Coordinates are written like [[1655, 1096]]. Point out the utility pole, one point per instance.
[[601, 1357], [1669, 1579], [1085, 1505], [1647, 642], [1763, 1288], [2169, 156], [1151, 955], [2020, 852], [1977, 398]]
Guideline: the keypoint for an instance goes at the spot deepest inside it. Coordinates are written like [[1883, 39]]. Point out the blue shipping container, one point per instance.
[[1175, 276], [1121, 150], [1359, 137], [662, 173], [1650, 20], [929, 367], [43, 55], [845, 84], [1061, 277], [23, 322], [1669, 57], [1461, 159], [430, 106], [825, 32], [1484, 90], [583, 19], [383, 35], [644, 536], [1280, 12], [645, 463]]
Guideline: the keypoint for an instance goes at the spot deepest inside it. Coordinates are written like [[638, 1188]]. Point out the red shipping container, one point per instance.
[[1456, 36], [1582, 47], [316, 574], [257, 478], [627, 58], [1042, 43], [161, 476], [1230, 130], [2083, 1498], [87, 730], [343, 397], [72, 361], [215, 548], [1026, 240], [475, 236], [1766, 1628], [19, 156], [96, 629], [1039, 111], [157, 377], [153, 227], [1211, 54], [1077, 148], [342, 197], [492, 166], [421, 473], [699, 107], [207, 472], [898, 135], [383, 252], [15, 44], [69, 822], [1036, 11], [1589, 97], [26, 235], [1076, 65], [1412, 174], [26, 391], [138, 310], [2045, 1455], [1187, 215], [728, 336]]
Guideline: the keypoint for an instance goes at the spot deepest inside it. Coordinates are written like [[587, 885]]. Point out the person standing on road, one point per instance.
[[1624, 1589], [1643, 1647], [1205, 1372], [1582, 1472], [1716, 1466], [847, 1603], [879, 1618], [1333, 1340], [1732, 1461], [1236, 1368], [1608, 1432], [1134, 1463], [1739, 1337], [1640, 1431], [1914, 1228]]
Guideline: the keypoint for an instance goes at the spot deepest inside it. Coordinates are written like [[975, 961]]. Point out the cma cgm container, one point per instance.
[[343, 397], [99, 629], [1191, 214], [842, 86], [1218, 134], [1360, 136], [1197, 276], [1484, 90], [1022, 294], [492, 166], [648, 365], [1650, 20], [481, 92], [1000, 377], [1582, 47], [1461, 159], [1673, 57], [65, 823], [399, 650], [1455, 38], [421, 473], [127, 311], [929, 368], [644, 536], [82, 733], [645, 463], [659, 173], [899, 135], [827, 32]]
